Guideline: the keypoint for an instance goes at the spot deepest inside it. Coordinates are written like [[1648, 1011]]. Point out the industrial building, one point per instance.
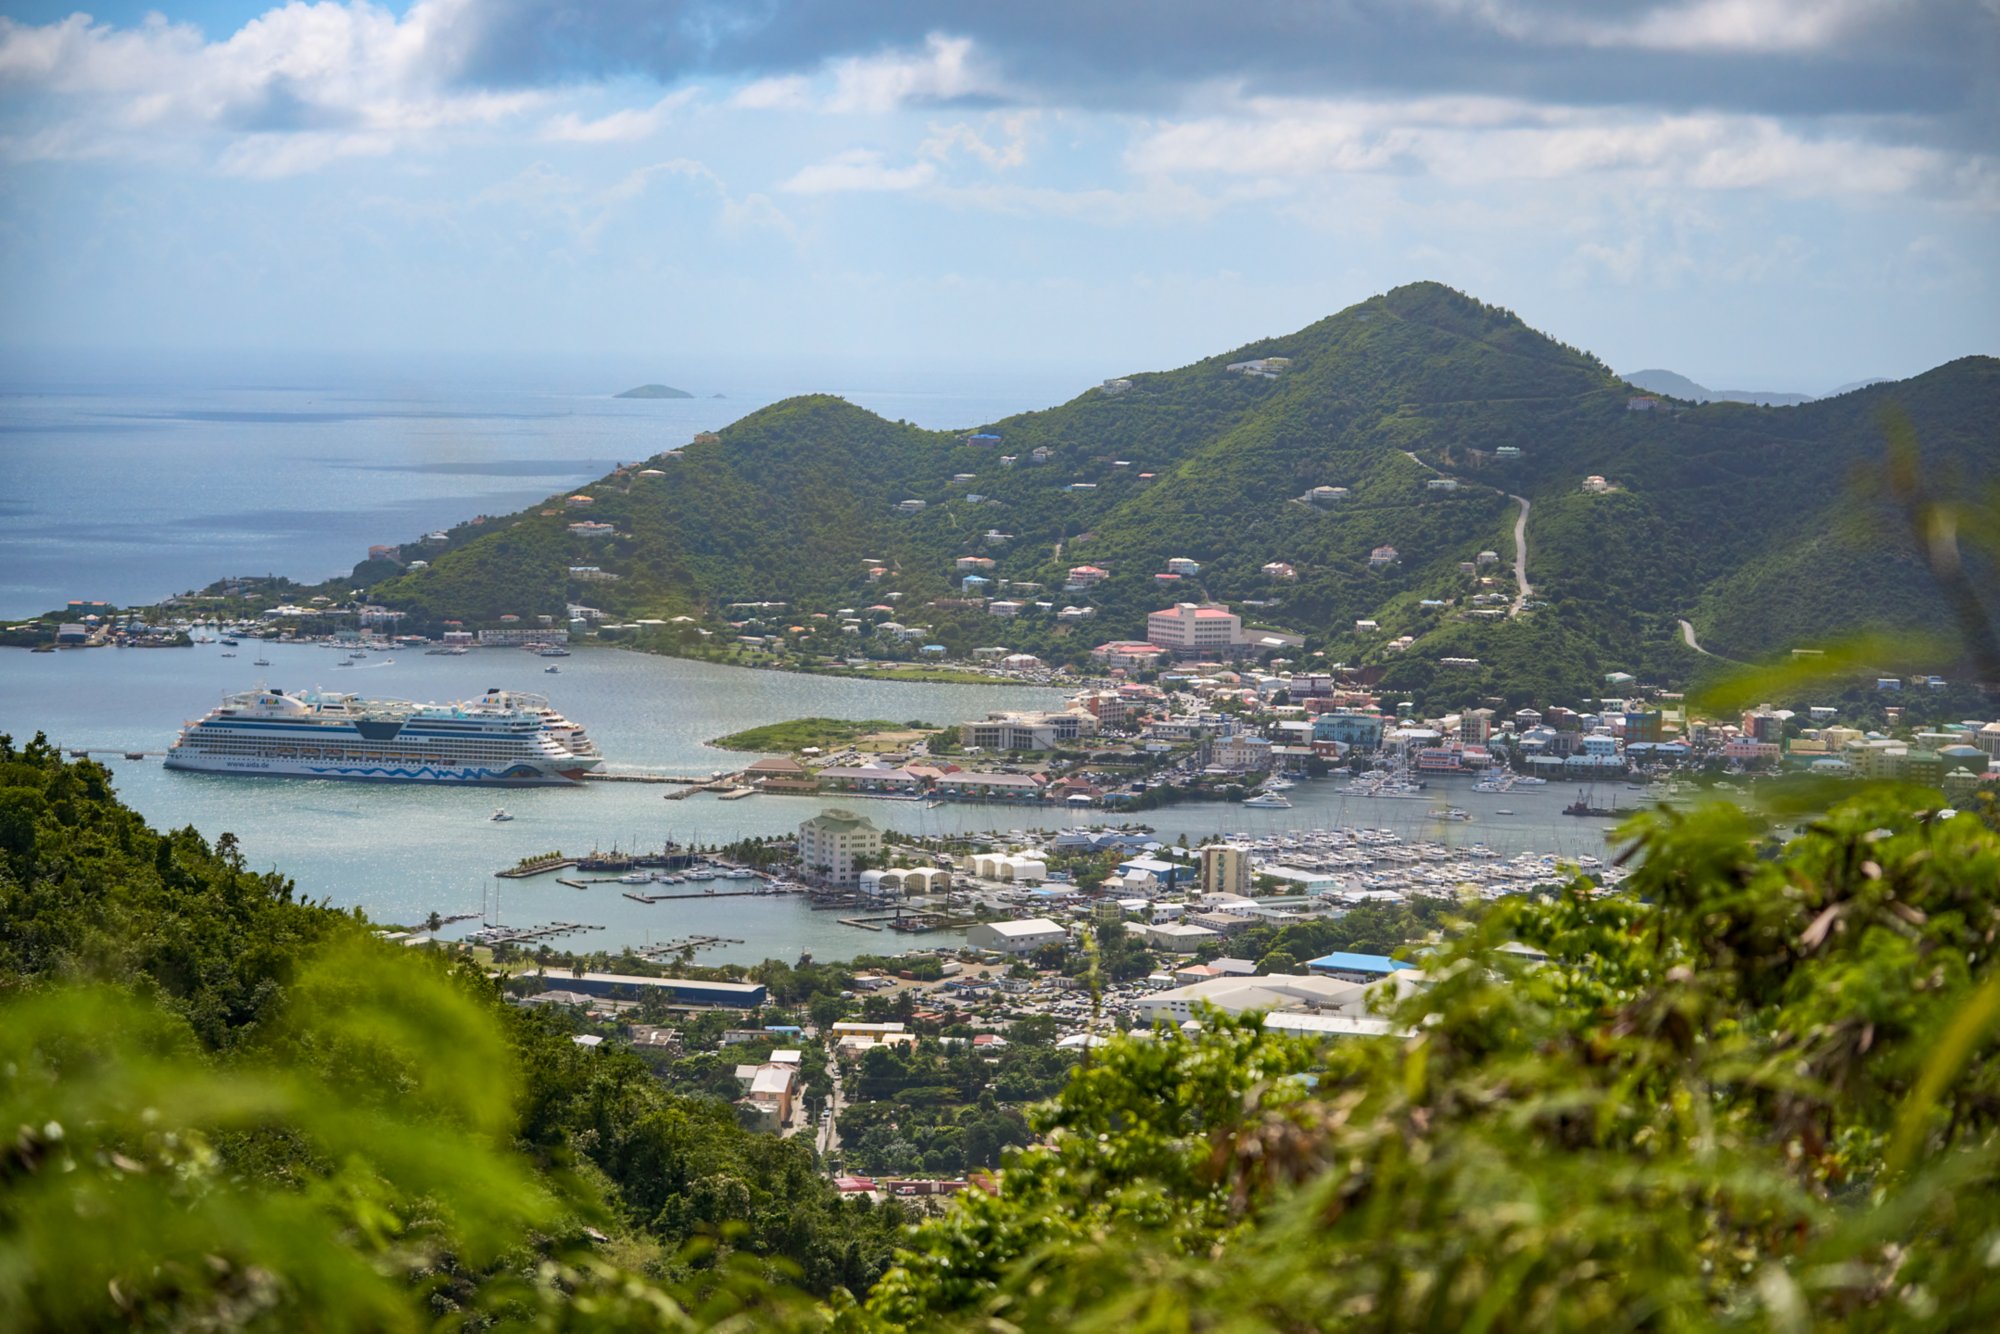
[[1022, 937], [679, 990]]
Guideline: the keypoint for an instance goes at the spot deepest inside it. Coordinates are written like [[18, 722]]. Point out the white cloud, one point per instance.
[[1753, 26], [790, 92], [943, 69], [619, 127], [1012, 151], [585, 212], [1738, 25], [1481, 141], [858, 169], [292, 89]]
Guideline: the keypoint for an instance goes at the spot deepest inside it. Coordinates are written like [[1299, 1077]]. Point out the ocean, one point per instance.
[[130, 478]]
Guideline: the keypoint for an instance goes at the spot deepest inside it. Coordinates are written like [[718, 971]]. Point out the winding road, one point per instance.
[[1523, 589]]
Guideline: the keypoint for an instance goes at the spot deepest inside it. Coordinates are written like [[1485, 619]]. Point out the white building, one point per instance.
[[1195, 628], [1175, 936], [1022, 937], [830, 843], [1237, 995]]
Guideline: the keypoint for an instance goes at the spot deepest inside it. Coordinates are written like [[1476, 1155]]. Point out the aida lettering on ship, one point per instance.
[[505, 738]]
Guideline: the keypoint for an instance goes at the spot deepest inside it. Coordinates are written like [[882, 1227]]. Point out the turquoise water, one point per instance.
[[402, 851]]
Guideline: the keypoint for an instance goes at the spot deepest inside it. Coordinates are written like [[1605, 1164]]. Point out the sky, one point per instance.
[[1761, 194]]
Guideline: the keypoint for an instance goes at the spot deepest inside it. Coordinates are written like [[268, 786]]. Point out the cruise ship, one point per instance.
[[504, 738]]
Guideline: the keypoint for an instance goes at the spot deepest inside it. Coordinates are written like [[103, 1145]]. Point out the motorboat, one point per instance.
[[1268, 801], [500, 816]]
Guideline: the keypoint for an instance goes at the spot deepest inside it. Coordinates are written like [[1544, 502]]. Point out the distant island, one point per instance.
[[655, 391]]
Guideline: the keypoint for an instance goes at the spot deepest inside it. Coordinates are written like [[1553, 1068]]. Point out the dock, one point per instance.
[[665, 951], [521, 935], [670, 898], [723, 785], [535, 868], [598, 776]]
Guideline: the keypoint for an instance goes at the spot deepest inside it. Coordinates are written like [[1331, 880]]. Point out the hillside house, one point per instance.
[[1085, 576], [1382, 556]]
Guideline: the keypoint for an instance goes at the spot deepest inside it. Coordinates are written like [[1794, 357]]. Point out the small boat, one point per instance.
[[500, 816], [263, 662], [135, 754], [1503, 812], [551, 670], [228, 643], [229, 655]]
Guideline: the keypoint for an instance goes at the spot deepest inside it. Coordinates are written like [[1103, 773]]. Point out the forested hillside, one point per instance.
[[226, 1108], [1755, 1088], [1758, 524]]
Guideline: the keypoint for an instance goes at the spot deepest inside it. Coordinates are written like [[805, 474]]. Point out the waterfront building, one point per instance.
[[832, 842]]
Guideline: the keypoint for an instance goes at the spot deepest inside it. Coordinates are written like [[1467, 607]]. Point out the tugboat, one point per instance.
[[1582, 806]]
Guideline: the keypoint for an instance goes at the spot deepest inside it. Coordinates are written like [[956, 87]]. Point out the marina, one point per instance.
[[350, 842]]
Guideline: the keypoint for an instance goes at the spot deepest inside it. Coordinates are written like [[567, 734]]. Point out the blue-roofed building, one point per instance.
[[1357, 967]]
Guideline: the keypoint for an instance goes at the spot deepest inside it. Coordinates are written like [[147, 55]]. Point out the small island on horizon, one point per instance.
[[655, 391]]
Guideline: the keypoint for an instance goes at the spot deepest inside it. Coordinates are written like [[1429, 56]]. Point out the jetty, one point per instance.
[[723, 785], [669, 898], [521, 935], [539, 867], [664, 951], [627, 776]]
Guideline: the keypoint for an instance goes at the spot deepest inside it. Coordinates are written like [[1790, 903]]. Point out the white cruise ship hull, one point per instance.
[[502, 739], [388, 771]]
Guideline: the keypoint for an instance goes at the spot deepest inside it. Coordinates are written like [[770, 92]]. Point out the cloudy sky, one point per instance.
[[1779, 194]]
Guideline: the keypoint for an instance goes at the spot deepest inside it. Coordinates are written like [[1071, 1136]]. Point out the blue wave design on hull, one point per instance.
[[425, 773], [517, 776]]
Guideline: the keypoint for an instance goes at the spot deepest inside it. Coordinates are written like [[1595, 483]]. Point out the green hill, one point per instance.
[[654, 391], [1747, 521]]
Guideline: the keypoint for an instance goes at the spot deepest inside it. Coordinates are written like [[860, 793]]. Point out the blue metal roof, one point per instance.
[[1343, 962]]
